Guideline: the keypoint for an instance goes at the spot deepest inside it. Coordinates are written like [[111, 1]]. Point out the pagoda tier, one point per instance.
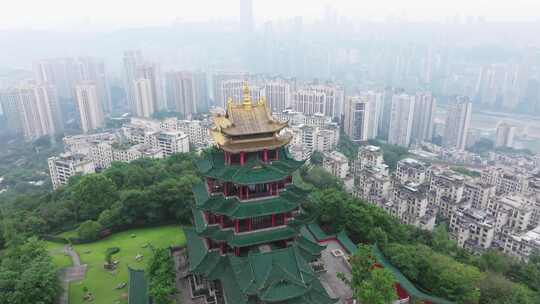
[[249, 168]]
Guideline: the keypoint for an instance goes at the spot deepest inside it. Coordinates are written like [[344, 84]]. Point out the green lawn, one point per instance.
[[60, 260], [102, 282]]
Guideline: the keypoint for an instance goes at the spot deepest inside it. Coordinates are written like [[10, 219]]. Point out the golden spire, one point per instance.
[[247, 95]]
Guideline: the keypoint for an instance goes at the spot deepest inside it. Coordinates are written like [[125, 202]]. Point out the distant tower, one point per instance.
[[60, 72], [32, 111], [458, 121], [505, 135], [151, 71], [132, 59], [144, 100], [356, 122], [401, 119], [187, 92], [246, 15], [89, 106], [278, 94], [93, 69], [424, 113]]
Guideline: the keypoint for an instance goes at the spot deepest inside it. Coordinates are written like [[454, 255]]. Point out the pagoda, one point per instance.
[[249, 243]]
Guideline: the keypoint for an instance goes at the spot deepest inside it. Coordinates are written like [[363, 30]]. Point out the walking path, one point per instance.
[[76, 272]]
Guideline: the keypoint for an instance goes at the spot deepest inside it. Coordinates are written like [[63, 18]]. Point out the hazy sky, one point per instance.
[[94, 13]]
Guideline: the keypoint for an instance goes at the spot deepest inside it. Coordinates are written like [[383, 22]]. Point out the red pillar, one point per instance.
[[277, 153], [222, 248], [242, 158], [249, 224], [225, 189], [221, 221], [237, 226], [273, 220], [284, 219], [247, 192], [265, 155], [237, 251]]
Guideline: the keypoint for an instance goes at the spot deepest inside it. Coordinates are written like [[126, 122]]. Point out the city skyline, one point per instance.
[[105, 14]]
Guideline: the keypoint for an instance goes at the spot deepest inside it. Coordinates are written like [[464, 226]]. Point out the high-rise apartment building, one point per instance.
[[186, 92], [424, 113], [326, 99], [401, 120], [143, 105], [152, 73], [384, 119], [356, 118], [278, 94], [60, 72], [458, 120], [217, 80], [505, 135], [132, 59], [32, 110], [93, 69], [89, 106]]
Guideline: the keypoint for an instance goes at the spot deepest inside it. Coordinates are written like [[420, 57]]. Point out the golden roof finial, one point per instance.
[[247, 95]]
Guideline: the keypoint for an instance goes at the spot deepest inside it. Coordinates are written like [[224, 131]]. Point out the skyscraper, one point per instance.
[[218, 79], [278, 94], [505, 135], [151, 71], [60, 72], [89, 106], [384, 120], [458, 120], [424, 113], [132, 59], [326, 99], [356, 119], [143, 98], [32, 110], [93, 69], [401, 119], [246, 16], [376, 103], [186, 92]]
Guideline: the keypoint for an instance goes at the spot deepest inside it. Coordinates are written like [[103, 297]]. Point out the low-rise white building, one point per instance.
[[66, 165], [472, 228], [336, 163]]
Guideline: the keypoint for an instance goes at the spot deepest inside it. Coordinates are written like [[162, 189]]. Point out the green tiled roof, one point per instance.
[[137, 288], [253, 171], [346, 242], [278, 276], [288, 200]]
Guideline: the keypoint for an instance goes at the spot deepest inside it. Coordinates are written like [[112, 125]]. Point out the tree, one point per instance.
[[93, 194], [27, 275], [89, 230], [369, 283], [493, 261], [161, 276], [329, 205], [316, 158], [378, 289]]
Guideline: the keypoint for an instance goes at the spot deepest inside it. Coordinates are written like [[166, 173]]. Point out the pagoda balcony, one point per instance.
[[247, 192], [266, 156]]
